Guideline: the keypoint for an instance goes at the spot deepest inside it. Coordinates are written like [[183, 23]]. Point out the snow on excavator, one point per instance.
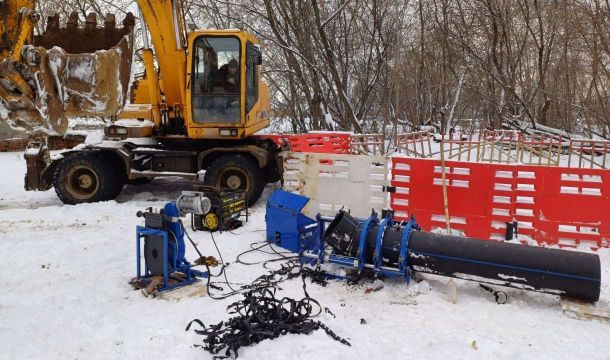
[[63, 72]]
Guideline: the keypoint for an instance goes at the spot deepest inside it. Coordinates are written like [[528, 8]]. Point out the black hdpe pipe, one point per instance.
[[561, 272]]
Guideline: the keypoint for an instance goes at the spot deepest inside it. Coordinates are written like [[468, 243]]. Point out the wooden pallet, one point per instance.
[[585, 311], [149, 287], [197, 289]]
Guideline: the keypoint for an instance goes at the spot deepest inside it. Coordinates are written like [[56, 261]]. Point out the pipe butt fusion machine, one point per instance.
[[392, 248], [164, 246]]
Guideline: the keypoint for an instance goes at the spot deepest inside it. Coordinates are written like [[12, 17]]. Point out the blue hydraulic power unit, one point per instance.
[[392, 248], [164, 246]]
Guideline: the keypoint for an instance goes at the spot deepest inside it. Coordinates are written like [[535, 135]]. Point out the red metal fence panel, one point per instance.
[[553, 205]]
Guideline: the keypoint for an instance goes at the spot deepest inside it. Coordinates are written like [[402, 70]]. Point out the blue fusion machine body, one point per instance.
[[163, 239]]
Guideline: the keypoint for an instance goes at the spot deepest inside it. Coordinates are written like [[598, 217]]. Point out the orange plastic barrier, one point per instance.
[[552, 205], [326, 143]]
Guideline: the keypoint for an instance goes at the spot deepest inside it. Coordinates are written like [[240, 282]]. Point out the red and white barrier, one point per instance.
[[553, 205]]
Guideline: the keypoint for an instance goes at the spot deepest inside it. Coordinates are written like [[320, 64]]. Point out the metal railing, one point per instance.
[[373, 144], [504, 147], [493, 146], [415, 144], [588, 154]]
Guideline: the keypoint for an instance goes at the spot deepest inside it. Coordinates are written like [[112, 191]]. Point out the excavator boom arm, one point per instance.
[[27, 19], [164, 21]]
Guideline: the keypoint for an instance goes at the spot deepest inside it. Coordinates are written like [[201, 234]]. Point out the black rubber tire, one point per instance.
[[107, 183], [252, 178], [118, 178], [117, 186], [139, 181]]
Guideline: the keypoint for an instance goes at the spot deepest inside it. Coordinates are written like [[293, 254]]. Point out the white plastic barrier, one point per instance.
[[334, 181]]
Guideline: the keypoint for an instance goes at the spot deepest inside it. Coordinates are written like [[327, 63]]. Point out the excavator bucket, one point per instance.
[[67, 72]]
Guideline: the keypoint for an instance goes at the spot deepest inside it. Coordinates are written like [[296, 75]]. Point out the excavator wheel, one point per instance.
[[86, 177], [236, 171]]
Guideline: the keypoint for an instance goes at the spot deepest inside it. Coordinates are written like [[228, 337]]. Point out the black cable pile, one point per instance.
[[260, 316], [287, 272], [289, 269]]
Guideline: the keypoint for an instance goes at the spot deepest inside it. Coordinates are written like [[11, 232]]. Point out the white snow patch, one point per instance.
[[64, 294], [94, 137], [510, 277], [134, 123]]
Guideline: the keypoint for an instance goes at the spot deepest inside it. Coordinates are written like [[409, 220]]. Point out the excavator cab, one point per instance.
[[225, 96], [217, 95]]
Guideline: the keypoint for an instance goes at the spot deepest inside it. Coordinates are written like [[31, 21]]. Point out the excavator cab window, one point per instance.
[[253, 59], [216, 79]]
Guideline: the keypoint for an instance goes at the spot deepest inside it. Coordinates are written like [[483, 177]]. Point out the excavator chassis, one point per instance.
[[248, 164]]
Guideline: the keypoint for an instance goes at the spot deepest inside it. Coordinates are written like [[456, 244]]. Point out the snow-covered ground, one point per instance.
[[64, 293]]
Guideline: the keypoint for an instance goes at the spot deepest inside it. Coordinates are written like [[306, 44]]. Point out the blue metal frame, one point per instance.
[[316, 253], [178, 265], [403, 263], [372, 220], [377, 255]]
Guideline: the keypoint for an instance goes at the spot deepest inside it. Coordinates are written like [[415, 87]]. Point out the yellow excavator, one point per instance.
[[197, 107]]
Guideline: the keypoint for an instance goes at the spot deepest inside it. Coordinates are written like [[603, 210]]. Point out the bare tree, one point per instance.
[[392, 66]]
